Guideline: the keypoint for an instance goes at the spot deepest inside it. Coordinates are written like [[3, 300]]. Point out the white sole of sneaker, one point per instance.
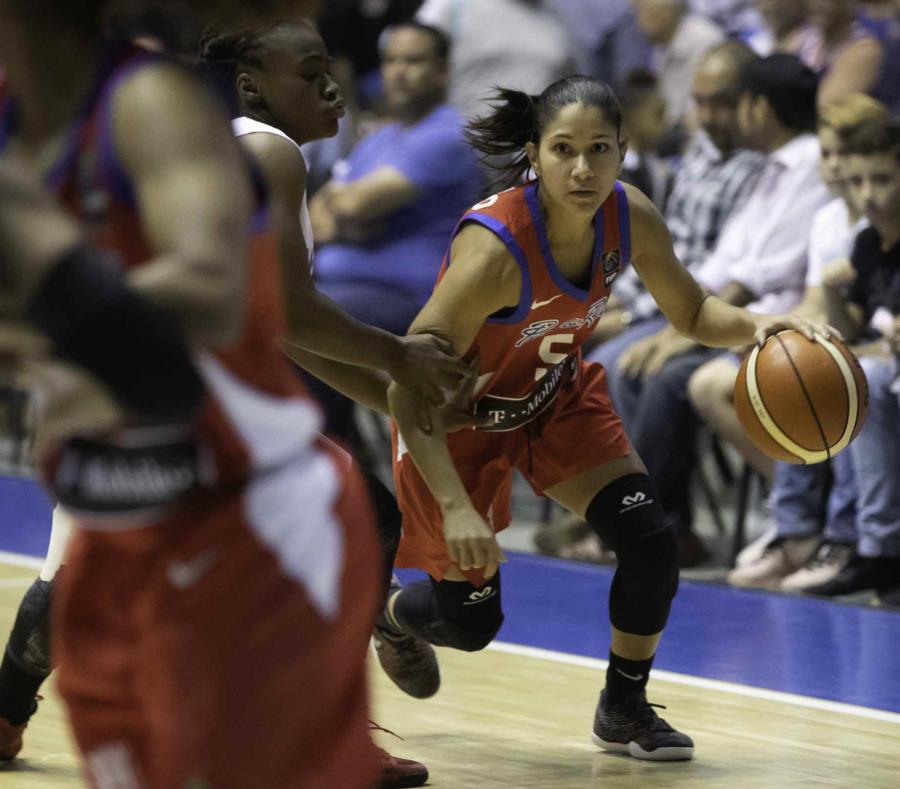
[[635, 750]]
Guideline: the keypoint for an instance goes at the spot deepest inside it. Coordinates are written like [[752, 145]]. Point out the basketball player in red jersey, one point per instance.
[[528, 273], [250, 569]]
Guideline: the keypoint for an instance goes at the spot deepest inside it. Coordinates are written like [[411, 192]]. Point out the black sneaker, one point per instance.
[[633, 727], [409, 661], [860, 574]]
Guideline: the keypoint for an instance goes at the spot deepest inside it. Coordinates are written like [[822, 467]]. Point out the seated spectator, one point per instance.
[[644, 122], [803, 498], [714, 178], [759, 261], [841, 48], [679, 40], [384, 219], [520, 44], [864, 299], [785, 24], [608, 42]]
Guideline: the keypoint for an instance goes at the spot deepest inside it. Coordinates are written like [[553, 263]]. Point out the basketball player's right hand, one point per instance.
[[428, 366], [471, 543]]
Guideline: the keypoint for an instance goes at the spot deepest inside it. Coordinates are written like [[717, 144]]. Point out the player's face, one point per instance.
[[873, 182], [831, 163], [296, 86], [578, 159], [412, 73]]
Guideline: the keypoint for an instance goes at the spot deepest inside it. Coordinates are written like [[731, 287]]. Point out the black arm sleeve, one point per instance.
[[94, 320]]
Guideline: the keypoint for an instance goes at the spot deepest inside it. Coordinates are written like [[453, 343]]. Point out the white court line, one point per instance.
[[21, 560], [708, 684]]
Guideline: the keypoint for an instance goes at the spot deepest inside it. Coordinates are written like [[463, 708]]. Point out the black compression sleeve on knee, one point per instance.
[[627, 516], [451, 613], [26, 659], [29, 641], [97, 322]]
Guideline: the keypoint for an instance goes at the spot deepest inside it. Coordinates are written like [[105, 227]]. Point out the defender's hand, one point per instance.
[[427, 365]]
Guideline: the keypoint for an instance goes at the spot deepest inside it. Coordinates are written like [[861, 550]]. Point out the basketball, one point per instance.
[[799, 400]]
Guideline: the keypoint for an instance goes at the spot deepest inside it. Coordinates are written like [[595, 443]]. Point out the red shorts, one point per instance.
[[226, 646], [580, 431]]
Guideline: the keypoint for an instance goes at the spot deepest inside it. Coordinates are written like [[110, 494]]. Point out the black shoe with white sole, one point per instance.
[[633, 727]]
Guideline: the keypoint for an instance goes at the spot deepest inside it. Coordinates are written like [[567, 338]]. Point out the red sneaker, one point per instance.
[[11, 740], [398, 773]]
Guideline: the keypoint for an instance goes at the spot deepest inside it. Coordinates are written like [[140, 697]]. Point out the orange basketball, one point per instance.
[[801, 401]]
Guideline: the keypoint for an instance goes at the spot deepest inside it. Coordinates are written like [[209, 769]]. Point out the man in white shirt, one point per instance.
[[759, 261]]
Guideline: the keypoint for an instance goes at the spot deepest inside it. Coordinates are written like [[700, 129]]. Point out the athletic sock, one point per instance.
[[625, 678], [17, 691]]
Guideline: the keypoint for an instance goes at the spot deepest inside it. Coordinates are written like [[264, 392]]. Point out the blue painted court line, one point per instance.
[[817, 648]]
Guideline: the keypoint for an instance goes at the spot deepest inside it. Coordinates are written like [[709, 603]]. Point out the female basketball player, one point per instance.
[[287, 97], [183, 626], [528, 273]]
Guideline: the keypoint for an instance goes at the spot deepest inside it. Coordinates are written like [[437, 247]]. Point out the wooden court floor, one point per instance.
[[513, 720]]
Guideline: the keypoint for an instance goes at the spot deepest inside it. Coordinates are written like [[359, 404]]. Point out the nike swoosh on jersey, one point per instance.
[[536, 304]]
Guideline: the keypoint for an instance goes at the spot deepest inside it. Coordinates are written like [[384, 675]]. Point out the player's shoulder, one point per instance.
[[510, 206]]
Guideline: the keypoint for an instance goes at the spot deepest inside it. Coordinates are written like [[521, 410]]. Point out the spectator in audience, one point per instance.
[[608, 41], [715, 176], [644, 124], [680, 38], [883, 20], [806, 497], [862, 298], [785, 23], [520, 44], [352, 29], [384, 219], [759, 261], [841, 48]]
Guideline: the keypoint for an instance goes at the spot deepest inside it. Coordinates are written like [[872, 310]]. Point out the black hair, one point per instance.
[[640, 84], [519, 118], [788, 85], [223, 52], [439, 39], [872, 137]]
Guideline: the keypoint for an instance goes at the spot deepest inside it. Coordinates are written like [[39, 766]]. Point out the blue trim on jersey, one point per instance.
[[537, 218], [624, 224], [509, 240]]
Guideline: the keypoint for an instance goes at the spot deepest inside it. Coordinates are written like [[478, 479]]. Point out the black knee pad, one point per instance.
[[627, 515], [29, 642], [452, 613]]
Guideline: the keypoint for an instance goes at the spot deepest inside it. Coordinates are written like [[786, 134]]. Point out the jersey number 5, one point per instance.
[[550, 357]]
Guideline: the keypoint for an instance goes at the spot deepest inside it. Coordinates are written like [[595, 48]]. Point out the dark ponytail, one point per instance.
[[223, 52], [504, 132], [517, 119]]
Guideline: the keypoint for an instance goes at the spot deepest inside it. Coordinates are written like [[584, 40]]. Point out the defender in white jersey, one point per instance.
[[288, 97]]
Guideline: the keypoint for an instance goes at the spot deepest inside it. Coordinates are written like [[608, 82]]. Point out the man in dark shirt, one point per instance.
[[863, 299]]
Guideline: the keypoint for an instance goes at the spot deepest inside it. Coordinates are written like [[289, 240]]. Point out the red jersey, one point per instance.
[[528, 352]]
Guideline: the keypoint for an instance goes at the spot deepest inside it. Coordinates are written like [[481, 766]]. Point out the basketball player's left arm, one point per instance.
[[693, 312], [194, 196]]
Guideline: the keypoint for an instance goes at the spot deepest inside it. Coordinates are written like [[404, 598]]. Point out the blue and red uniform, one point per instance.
[[223, 644], [550, 413]]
